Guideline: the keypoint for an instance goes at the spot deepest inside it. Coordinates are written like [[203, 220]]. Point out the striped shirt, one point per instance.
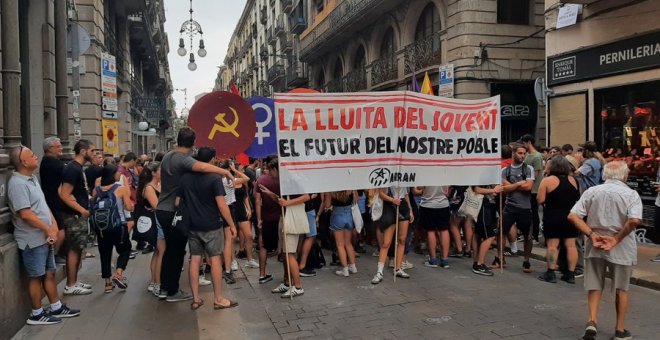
[[230, 195], [607, 208]]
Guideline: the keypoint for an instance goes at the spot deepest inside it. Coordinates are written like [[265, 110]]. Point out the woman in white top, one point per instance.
[[393, 197], [434, 218], [230, 197]]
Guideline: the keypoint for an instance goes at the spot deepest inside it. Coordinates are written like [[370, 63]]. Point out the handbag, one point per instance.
[[295, 220], [471, 204], [145, 227], [357, 218], [376, 207]]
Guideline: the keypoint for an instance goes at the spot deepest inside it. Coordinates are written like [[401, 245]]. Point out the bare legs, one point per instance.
[[157, 261]]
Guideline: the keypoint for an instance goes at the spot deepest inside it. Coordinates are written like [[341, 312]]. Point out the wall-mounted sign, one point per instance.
[[567, 15], [446, 81], [633, 54], [517, 100]]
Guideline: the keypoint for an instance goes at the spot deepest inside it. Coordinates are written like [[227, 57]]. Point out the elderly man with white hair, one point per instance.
[[613, 211]]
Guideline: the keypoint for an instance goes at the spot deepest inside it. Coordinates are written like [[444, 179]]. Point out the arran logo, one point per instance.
[[379, 176]]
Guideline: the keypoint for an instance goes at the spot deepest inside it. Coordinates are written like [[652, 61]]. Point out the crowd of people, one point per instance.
[[223, 211]]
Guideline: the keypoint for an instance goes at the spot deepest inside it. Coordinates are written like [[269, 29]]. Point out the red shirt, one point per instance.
[[270, 209]]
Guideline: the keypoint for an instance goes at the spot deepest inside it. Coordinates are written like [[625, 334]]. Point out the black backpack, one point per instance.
[[524, 171], [103, 211]]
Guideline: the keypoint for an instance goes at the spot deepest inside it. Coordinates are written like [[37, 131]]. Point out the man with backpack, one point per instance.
[[75, 198], [517, 182], [107, 216]]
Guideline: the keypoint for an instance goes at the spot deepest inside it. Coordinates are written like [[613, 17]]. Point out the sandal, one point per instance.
[[196, 304], [231, 305]]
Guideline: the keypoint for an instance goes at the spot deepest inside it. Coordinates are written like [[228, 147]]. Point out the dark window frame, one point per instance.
[[514, 12]]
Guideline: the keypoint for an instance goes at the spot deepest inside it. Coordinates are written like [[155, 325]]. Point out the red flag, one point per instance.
[[242, 159], [235, 90]]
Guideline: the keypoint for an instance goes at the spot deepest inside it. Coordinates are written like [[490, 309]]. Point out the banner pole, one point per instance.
[[500, 244], [286, 252], [396, 239]]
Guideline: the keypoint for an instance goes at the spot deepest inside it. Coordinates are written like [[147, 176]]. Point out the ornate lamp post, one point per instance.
[[191, 28]]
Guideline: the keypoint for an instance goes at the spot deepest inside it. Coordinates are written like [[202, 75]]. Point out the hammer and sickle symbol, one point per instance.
[[223, 126]]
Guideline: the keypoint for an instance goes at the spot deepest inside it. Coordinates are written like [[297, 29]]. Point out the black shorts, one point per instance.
[[434, 219], [522, 218], [484, 232], [270, 235], [556, 225], [239, 213]]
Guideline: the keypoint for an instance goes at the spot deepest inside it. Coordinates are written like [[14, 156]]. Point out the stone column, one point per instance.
[[11, 74], [61, 87]]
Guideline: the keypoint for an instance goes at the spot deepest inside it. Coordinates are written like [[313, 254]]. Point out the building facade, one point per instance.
[[40, 93], [604, 75], [495, 47]]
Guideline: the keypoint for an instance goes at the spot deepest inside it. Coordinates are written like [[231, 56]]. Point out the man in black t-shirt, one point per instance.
[[75, 214], [50, 172], [93, 172], [203, 208]]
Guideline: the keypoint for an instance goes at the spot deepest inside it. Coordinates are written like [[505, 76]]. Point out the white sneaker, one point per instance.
[[405, 265], [77, 290], [150, 288], [378, 278], [400, 273], [156, 290], [375, 253], [252, 264], [352, 269], [234, 265], [293, 291], [82, 284], [342, 272], [282, 288], [203, 281]]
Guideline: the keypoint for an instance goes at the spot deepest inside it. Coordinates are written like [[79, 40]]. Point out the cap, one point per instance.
[[589, 145]]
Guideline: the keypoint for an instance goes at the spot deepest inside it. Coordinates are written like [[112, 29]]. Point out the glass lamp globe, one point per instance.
[[192, 66], [181, 51], [202, 52]]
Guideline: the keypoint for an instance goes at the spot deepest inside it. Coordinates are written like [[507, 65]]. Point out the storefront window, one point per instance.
[[627, 125]]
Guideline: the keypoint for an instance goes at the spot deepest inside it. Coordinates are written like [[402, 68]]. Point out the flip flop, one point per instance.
[[231, 305], [196, 304]]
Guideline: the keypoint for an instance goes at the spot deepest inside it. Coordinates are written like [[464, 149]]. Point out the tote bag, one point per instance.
[[471, 204], [376, 208], [357, 218], [295, 220]]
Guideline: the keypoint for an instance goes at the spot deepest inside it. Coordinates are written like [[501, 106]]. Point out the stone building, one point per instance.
[[37, 94], [262, 54], [495, 47], [604, 73]]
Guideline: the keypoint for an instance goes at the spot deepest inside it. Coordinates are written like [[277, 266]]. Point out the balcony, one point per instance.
[[272, 38], [346, 18], [279, 26], [335, 85], [296, 75], [276, 73], [287, 5], [422, 54], [297, 24], [384, 69], [355, 80], [286, 45]]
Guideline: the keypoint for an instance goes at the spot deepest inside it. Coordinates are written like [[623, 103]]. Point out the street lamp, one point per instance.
[[191, 28]]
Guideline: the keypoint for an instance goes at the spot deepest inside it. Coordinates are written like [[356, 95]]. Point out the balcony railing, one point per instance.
[[287, 5], [422, 53], [263, 15], [384, 69], [335, 85], [279, 25], [297, 24], [346, 12], [272, 39], [286, 45], [296, 75], [355, 80], [276, 73]]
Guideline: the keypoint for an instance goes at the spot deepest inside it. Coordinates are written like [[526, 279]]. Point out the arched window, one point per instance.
[[360, 61], [339, 69], [387, 47], [429, 25]]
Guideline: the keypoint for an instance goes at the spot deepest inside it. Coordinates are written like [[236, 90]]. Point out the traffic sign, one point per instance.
[[265, 139], [84, 40], [110, 138], [109, 115], [446, 81], [224, 121]]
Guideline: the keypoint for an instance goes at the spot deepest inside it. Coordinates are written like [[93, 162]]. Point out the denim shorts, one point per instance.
[[38, 260], [341, 218], [311, 216]]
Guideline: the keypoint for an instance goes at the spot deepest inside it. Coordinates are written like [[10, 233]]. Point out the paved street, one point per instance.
[[435, 304]]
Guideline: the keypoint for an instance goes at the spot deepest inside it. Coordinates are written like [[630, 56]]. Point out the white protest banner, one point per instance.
[[331, 141]]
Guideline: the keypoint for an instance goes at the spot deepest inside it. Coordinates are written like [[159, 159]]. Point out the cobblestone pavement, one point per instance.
[[434, 304]]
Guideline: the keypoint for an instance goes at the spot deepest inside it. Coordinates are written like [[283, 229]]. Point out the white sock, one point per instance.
[[36, 312], [514, 247], [381, 266], [57, 305]]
